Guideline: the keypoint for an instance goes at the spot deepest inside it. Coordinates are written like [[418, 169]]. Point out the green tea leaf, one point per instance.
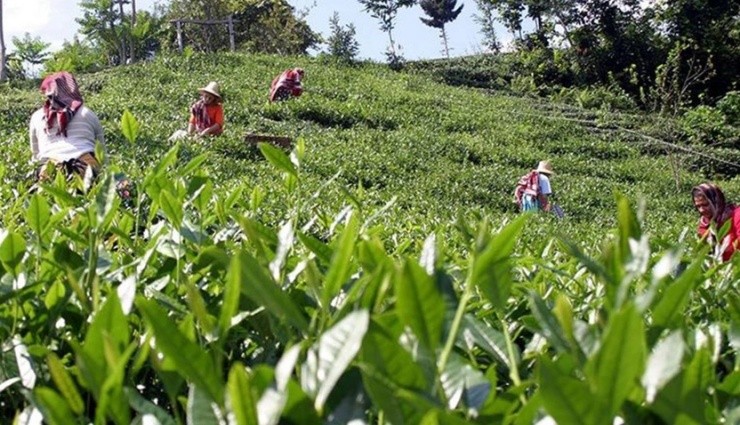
[[492, 267], [341, 262], [567, 399], [104, 202], [549, 324], [64, 383], [146, 407], [488, 339], [257, 284], [194, 164], [53, 407], [614, 370], [322, 251], [192, 361], [172, 208], [12, 248], [240, 400], [230, 305], [129, 126], [278, 158], [669, 310], [38, 214], [663, 364], [682, 400], [461, 381], [201, 409], [419, 304], [331, 355]]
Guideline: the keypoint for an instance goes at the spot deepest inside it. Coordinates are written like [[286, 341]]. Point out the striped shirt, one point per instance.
[[82, 132]]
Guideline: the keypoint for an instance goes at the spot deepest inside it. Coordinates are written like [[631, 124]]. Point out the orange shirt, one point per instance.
[[215, 113]]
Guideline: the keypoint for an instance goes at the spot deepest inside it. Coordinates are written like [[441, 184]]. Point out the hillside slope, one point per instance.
[[442, 150]]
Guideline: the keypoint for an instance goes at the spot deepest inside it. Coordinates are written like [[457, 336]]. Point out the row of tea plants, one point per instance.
[[183, 307]]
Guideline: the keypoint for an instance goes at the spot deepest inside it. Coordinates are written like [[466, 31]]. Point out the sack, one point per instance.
[[528, 184], [178, 135]]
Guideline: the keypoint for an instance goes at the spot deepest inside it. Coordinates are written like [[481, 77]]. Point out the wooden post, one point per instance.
[[179, 36], [231, 33], [278, 141]]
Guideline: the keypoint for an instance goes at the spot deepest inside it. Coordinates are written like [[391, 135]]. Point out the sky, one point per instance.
[[53, 21]]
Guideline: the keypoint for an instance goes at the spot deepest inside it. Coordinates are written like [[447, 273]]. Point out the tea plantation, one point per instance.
[[376, 273]]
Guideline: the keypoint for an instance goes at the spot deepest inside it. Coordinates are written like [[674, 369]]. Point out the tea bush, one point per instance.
[[377, 272]]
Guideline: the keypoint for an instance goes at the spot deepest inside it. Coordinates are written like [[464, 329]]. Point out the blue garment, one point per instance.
[[530, 203]]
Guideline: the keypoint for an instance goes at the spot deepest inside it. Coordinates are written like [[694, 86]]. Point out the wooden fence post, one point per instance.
[[179, 36], [231, 33]]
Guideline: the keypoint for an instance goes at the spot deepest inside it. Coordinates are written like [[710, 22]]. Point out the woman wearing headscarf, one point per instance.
[[64, 131], [287, 84], [714, 212]]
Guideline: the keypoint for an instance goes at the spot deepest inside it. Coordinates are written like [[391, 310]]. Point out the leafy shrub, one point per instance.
[[708, 126], [730, 107]]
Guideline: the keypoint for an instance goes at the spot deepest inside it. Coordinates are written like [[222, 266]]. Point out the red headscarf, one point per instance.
[[63, 99], [721, 210]]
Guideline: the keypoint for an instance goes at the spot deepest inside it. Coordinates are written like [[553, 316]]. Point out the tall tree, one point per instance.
[[385, 11], [710, 30], [103, 25], [440, 13], [487, 21], [342, 43], [3, 71]]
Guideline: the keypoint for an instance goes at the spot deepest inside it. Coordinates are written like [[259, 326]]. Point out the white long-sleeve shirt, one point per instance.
[[82, 132]]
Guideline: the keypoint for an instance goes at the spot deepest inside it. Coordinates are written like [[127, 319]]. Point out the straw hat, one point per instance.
[[545, 167], [211, 88]]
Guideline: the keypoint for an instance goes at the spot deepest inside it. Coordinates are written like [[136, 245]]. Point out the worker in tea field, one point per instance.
[[714, 213], [206, 114], [64, 131], [533, 191], [287, 85]]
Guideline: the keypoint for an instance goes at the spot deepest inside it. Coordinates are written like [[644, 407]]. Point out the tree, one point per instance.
[[103, 25], [342, 42], [76, 56], [707, 31], [264, 26], [440, 12], [3, 71], [30, 50], [273, 26], [385, 11], [487, 21]]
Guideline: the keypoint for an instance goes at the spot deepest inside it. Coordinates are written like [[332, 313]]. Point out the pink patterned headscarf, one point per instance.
[[63, 99], [721, 210]]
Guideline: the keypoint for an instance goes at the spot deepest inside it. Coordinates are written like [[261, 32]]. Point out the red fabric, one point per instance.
[[63, 100], [721, 212], [733, 235], [528, 184], [204, 116], [289, 80]]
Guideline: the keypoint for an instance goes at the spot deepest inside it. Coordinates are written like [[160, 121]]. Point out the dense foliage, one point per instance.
[[376, 272]]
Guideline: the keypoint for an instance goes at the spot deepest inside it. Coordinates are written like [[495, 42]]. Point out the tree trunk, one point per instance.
[[444, 40], [122, 49], [132, 51], [393, 44], [3, 70]]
